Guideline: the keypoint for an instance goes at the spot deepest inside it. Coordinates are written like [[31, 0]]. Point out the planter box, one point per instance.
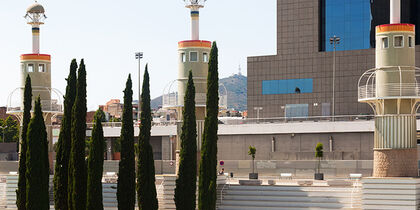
[[253, 175], [319, 176]]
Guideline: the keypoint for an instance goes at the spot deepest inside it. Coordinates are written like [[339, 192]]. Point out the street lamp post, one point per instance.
[[335, 40], [139, 56]]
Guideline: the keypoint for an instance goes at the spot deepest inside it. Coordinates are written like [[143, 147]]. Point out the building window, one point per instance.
[[296, 110], [385, 42], [183, 57], [288, 86], [205, 57], [348, 19], [410, 41], [30, 67], [41, 68], [193, 56], [398, 41]]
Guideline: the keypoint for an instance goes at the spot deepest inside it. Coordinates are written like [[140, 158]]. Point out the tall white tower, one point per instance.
[[392, 89], [38, 67], [194, 56]]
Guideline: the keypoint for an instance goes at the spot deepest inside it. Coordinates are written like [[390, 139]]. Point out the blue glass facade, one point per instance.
[[287, 86], [348, 19]]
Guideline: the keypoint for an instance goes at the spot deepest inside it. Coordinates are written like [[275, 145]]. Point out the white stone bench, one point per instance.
[[355, 176], [285, 175]]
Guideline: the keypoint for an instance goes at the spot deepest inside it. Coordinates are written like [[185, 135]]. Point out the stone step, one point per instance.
[[289, 193], [283, 204], [346, 200]]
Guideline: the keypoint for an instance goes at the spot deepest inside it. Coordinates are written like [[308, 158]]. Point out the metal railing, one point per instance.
[[405, 90], [396, 82]]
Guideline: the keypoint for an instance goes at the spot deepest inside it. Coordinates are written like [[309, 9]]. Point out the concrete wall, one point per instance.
[[345, 146]]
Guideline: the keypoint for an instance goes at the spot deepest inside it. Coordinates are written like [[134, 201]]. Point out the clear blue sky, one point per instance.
[[107, 33]]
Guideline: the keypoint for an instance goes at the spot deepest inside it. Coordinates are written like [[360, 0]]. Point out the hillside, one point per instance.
[[236, 86]]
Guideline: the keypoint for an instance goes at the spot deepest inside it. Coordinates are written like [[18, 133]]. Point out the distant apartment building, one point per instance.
[[114, 107], [297, 81]]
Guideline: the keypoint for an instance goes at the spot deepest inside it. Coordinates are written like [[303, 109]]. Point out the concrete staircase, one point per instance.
[[289, 197]]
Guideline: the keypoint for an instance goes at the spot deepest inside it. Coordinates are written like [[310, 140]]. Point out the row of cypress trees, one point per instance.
[[185, 191], [75, 188], [146, 189], [33, 180], [70, 178]]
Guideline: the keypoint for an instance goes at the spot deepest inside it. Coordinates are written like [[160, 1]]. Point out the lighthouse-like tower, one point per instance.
[[38, 67], [392, 89], [193, 55]]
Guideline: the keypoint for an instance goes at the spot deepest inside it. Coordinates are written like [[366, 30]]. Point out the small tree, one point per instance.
[[252, 152], [95, 166], [319, 154], [37, 168]]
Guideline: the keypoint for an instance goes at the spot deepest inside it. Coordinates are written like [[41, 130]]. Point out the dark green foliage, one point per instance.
[[77, 165], [27, 106], [126, 190], [95, 165], [64, 143], [251, 152], [186, 183], [10, 130], [37, 165], [319, 153], [208, 165], [146, 188]]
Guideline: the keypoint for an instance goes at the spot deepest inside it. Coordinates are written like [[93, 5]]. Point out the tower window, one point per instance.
[[385, 42], [41, 68], [30, 67], [205, 57], [183, 58], [398, 41], [410, 41], [193, 56]]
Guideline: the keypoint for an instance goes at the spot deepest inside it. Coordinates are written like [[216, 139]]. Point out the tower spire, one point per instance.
[[194, 6], [35, 15]]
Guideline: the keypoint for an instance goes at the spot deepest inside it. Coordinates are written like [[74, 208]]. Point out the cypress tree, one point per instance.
[[27, 106], [64, 143], [146, 188], [95, 165], [77, 165], [37, 165], [126, 190], [186, 183], [208, 164]]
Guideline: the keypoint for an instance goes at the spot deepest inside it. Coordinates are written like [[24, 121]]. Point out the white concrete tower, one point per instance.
[[392, 89], [193, 56], [38, 67]]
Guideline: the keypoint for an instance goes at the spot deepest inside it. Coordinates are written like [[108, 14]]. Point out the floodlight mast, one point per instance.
[[194, 6]]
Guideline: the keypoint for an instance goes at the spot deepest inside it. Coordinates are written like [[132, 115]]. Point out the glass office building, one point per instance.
[[348, 19], [297, 81]]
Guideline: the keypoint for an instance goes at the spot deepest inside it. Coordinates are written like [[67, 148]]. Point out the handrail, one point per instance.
[[223, 188]]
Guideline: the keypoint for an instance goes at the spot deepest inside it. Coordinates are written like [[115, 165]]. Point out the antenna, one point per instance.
[[240, 72]]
